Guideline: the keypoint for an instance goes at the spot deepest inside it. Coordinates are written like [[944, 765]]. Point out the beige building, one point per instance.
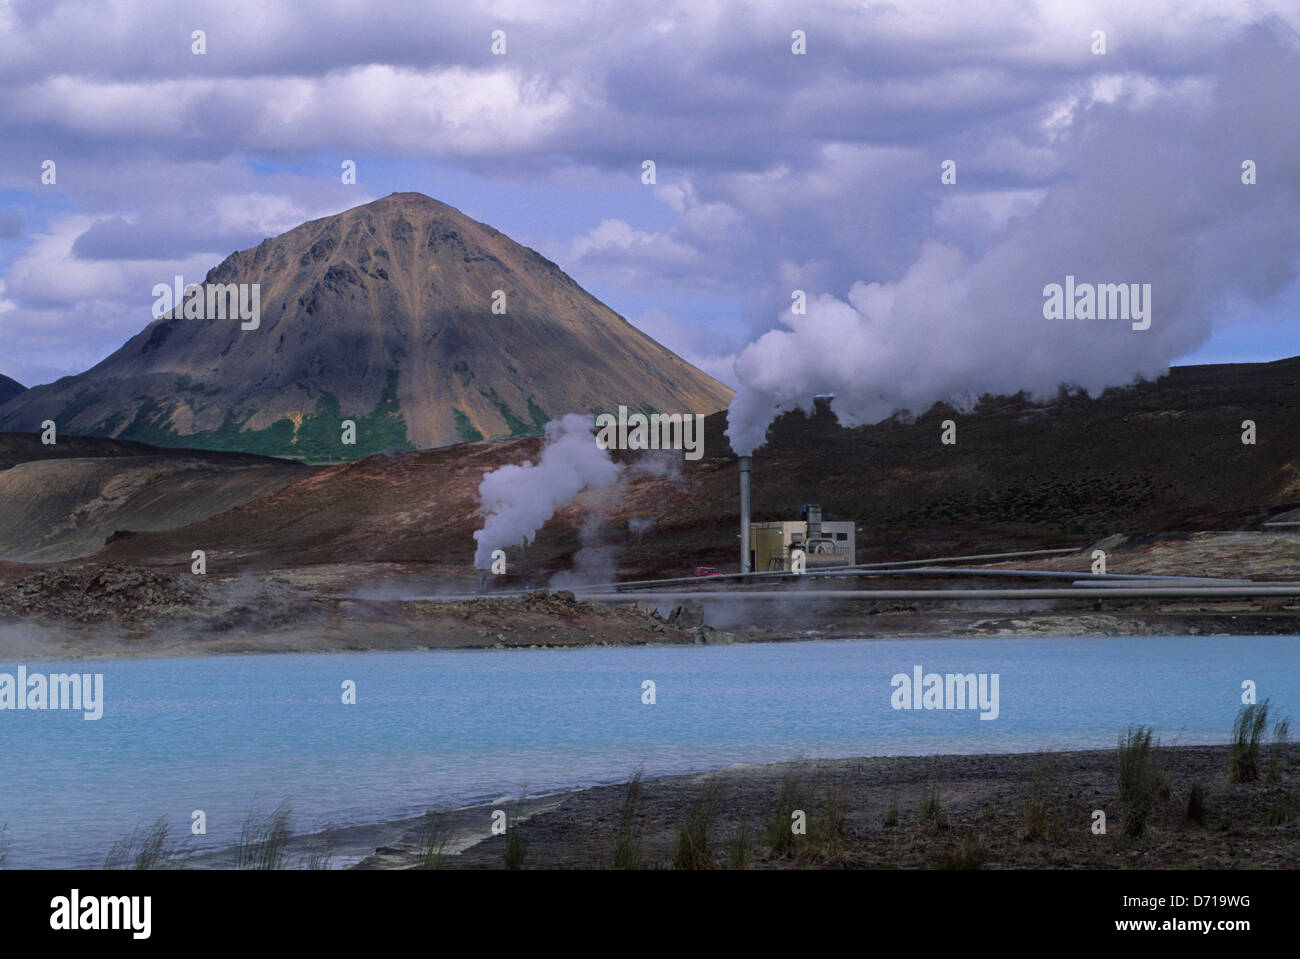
[[825, 543]]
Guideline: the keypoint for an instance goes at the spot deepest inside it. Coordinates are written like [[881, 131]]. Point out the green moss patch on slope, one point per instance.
[[318, 437], [464, 428]]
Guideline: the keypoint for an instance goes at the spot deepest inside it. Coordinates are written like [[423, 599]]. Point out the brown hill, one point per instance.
[[26, 447], [382, 315], [63, 501], [1162, 456]]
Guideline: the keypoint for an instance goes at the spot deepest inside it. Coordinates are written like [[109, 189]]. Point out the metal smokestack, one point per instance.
[[746, 463], [812, 514]]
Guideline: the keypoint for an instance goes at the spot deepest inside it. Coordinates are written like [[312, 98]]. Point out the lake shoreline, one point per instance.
[[1001, 810], [1028, 810]]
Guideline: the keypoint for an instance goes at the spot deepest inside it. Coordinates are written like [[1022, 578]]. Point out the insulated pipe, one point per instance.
[[874, 595], [746, 464]]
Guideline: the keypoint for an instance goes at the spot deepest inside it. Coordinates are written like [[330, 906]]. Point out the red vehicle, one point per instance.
[[707, 571]]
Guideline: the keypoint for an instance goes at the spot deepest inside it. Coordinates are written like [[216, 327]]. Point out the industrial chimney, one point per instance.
[[745, 465], [812, 514]]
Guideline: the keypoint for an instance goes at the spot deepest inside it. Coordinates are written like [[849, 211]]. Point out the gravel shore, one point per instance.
[[1021, 811]]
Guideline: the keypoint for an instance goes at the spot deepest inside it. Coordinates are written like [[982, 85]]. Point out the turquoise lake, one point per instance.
[[435, 729]]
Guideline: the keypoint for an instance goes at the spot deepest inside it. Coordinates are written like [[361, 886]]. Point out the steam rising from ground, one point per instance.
[[518, 500], [596, 560], [1148, 190]]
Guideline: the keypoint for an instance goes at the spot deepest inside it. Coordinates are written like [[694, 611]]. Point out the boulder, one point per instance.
[[687, 616]]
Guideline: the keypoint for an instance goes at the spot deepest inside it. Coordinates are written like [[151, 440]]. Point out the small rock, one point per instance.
[[687, 616]]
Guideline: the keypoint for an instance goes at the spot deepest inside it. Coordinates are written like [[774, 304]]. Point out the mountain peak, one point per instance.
[[406, 202], [416, 322]]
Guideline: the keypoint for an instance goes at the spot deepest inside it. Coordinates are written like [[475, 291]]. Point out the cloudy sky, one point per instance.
[[774, 171]]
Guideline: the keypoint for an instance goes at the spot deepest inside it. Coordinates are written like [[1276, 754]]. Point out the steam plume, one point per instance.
[[518, 500], [1152, 192]]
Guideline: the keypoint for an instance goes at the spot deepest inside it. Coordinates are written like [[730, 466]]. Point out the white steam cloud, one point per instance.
[[1152, 193], [518, 500]]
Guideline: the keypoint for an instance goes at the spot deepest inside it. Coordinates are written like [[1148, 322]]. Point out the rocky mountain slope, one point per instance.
[[383, 315]]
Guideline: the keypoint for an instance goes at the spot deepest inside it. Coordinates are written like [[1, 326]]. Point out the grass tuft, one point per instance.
[[1281, 813], [431, 853], [1140, 780], [792, 796], [694, 843], [320, 852], [145, 848], [1038, 819], [264, 841], [1247, 731], [890, 818], [739, 851], [1281, 735], [516, 844], [627, 842], [829, 827], [971, 852], [932, 809]]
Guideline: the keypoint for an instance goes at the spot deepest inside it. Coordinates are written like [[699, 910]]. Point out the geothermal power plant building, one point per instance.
[[824, 542], [773, 544], [768, 547]]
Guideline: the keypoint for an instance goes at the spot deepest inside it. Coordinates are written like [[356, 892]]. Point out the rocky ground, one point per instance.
[[120, 610], [116, 609], [1026, 811]]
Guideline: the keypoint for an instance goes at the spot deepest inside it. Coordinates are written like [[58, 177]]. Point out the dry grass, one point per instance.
[[694, 836], [432, 849], [1140, 780], [628, 853], [146, 848], [516, 844], [264, 841]]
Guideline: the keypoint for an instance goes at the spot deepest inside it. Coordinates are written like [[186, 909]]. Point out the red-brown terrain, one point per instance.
[[1161, 463], [1162, 457]]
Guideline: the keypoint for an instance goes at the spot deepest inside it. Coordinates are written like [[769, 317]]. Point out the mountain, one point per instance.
[[9, 389], [382, 315]]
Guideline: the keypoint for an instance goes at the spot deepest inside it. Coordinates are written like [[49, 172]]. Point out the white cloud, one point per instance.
[[790, 172]]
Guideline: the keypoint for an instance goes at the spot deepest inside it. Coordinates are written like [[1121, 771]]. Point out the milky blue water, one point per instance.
[[234, 734]]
